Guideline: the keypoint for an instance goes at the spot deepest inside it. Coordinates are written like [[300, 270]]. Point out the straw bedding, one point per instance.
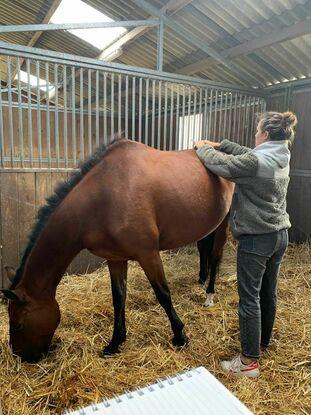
[[73, 374]]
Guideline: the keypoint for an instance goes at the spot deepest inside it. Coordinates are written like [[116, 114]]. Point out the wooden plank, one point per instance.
[[298, 203], [9, 220], [42, 188]]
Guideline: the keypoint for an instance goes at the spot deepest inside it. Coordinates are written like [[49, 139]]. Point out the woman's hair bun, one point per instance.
[[289, 119]]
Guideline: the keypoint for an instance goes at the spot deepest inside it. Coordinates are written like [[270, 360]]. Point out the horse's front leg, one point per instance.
[[153, 267], [118, 277]]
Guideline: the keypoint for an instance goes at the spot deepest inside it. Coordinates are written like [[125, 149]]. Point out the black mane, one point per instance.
[[60, 192]]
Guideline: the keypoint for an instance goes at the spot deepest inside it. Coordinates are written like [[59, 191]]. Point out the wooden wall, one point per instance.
[[21, 194], [299, 192]]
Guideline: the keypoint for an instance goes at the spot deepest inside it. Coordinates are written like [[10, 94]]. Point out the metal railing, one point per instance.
[[58, 108]]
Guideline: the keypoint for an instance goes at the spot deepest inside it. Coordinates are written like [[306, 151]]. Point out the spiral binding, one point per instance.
[[151, 387]]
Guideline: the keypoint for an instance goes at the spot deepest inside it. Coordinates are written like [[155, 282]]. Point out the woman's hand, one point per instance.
[[201, 143]]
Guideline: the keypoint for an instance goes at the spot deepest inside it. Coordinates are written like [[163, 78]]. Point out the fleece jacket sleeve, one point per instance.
[[228, 166], [229, 147]]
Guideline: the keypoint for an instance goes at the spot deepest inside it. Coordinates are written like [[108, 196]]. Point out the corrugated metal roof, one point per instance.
[[220, 25]]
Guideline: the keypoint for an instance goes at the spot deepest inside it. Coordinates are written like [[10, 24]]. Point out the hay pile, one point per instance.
[[74, 375]]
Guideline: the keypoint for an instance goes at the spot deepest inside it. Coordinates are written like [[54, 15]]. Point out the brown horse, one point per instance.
[[128, 202]]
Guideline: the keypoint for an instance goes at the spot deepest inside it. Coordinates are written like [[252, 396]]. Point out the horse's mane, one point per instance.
[[52, 202]]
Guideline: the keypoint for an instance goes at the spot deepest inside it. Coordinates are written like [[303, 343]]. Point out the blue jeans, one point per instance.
[[258, 263]]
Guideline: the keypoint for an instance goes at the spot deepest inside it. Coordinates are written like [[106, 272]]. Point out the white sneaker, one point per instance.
[[236, 367]]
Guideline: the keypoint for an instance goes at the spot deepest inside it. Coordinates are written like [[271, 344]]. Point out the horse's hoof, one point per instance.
[[209, 302], [181, 341], [109, 352]]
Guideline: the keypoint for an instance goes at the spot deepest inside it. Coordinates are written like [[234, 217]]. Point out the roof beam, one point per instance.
[[172, 7], [73, 26], [276, 36], [36, 36], [195, 40]]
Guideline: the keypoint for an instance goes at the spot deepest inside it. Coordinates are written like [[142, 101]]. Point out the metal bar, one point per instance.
[[165, 116], [73, 26], [73, 117], [244, 120], [252, 122], [147, 112], [11, 132], [133, 107], [89, 111], [248, 119], [29, 115], [119, 104], [91, 63], [230, 116], [97, 109], [189, 113], [160, 43], [81, 116], [215, 115], [65, 114], [239, 120], [39, 113], [159, 114], [47, 98], [183, 119], [2, 149], [205, 119], [153, 114], [194, 113], [112, 105], [235, 115], [210, 115], [126, 106], [56, 127], [226, 116], [201, 115], [171, 118], [140, 109], [105, 138], [20, 114], [177, 119], [220, 126]]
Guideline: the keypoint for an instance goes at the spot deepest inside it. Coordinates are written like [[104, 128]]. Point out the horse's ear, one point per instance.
[[10, 273], [13, 295]]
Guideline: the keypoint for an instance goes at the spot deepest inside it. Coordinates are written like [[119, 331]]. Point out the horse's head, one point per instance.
[[32, 324]]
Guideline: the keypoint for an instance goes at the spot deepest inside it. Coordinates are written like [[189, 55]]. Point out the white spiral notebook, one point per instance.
[[195, 392]]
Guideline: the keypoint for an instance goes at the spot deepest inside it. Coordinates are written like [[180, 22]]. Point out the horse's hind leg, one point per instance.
[[205, 247], [214, 259], [153, 267], [118, 277]]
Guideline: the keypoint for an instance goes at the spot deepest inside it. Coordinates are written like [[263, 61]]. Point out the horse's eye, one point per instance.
[[15, 327]]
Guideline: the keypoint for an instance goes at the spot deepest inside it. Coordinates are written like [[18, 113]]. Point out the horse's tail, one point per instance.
[[211, 251]]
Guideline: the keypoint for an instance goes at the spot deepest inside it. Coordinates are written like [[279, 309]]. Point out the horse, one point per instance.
[[127, 202], [210, 251]]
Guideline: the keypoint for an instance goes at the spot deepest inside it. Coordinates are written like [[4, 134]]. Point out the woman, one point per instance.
[[259, 222]]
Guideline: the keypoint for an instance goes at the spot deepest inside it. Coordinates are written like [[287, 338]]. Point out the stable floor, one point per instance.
[[74, 375]]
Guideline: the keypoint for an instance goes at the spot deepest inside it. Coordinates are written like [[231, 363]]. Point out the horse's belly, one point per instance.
[[196, 217]]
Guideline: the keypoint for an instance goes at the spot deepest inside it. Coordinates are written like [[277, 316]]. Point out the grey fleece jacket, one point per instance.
[[261, 176]]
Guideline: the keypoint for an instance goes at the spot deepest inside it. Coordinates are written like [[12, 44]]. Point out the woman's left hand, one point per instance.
[[201, 143]]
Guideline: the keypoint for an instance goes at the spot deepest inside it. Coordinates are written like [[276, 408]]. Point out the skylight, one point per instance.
[[33, 80], [76, 11]]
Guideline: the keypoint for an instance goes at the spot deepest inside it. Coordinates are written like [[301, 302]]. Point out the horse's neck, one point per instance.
[[54, 250]]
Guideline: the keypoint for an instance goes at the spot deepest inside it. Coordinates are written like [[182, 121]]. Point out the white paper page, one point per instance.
[[196, 392]]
